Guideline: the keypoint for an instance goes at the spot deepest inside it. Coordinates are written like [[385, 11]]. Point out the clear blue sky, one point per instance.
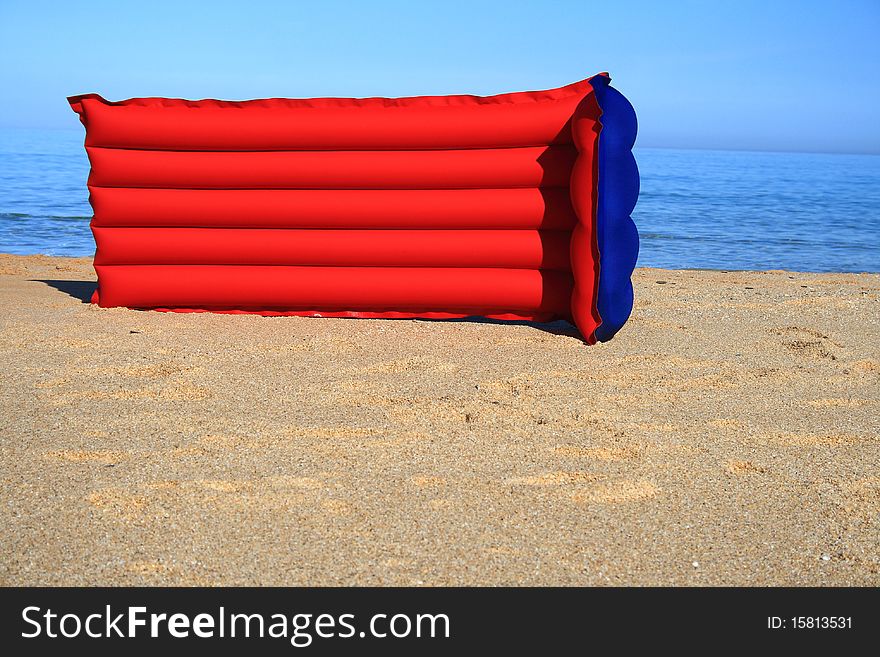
[[742, 75]]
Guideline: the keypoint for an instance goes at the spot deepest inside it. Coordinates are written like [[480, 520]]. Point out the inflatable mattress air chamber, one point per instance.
[[514, 206]]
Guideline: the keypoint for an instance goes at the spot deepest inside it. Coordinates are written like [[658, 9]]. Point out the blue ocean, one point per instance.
[[697, 209]]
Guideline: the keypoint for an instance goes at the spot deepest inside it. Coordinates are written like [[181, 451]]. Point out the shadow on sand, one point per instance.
[[81, 290]]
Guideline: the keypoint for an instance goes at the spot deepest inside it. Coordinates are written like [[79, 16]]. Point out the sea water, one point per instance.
[[697, 208]]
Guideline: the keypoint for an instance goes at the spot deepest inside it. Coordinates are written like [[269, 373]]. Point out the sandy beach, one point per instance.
[[728, 435]]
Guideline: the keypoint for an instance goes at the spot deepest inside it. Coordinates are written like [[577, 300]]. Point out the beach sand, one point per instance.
[[728, 435]]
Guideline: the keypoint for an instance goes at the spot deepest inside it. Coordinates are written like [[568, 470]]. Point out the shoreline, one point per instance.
[[731, 424]]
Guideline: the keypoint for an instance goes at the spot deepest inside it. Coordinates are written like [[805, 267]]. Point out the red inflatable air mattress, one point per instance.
[[448, 206]]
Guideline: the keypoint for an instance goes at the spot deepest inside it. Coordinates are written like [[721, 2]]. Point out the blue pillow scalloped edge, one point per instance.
[[618, 191]]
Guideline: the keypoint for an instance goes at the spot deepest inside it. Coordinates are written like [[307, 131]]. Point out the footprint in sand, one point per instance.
[[588, 488], [840, 403], [123, 504], [806, 342], [866, 366], [618, 492], [156, 371], [52, 383], [798, 331], [726, 423], [361, 434], [598, 453], [103, 456], [802, 439], [554, 479], [265, 494], [811, 348], [336, 507], [744, 467], [858, 370], [508, 389], [405, 365], [178, 392]]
